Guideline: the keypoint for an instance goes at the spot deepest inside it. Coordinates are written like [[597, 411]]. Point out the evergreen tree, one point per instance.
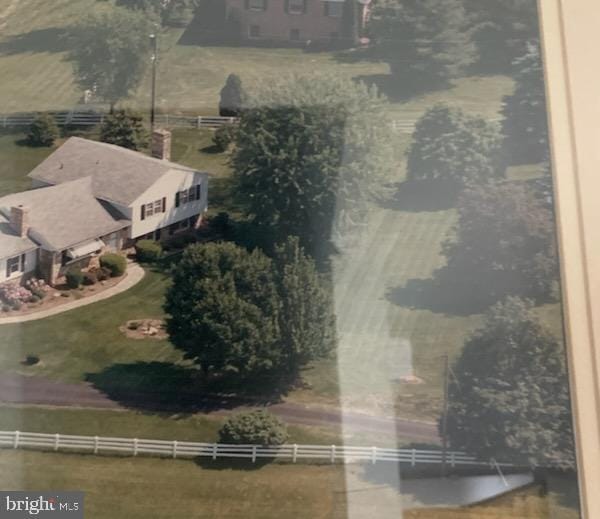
[[449, 145], [43, 131], [426, 42], [307, 319], [124, 128], [525, 125], [509, 397], [232, 97]]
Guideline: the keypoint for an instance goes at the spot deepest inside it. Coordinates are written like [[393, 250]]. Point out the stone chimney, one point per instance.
[[19, 220], [161, 144]]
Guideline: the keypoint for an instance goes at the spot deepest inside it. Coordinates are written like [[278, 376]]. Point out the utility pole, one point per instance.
[[154, 42], [445, 416]]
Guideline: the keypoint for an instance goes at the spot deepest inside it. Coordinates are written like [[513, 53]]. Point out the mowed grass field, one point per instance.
[[141, 487], [36, 75]]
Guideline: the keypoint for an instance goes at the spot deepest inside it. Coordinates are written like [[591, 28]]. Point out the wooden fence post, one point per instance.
[[413, 460], [373, 455], [214, 456], [96, 441], [135, 446], [199, 122], [254, 454], [16, 442], [175, 449], [295, 453], [56, 441], [452, 459], [333, 454]]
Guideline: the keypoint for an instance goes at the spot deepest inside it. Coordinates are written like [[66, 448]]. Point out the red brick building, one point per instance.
[[291, 22]]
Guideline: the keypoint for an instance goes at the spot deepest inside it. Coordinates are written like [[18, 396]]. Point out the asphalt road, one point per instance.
[[19, 389]]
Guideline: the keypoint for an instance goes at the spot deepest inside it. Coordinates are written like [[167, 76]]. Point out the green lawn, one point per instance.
[[164, 488], [16, 161], [36, 76], [87, 340], [132, 424], [139, 488]]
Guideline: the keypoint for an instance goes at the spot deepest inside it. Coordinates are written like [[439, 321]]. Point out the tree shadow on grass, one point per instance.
[[206, 462], [423, 196], [52, 39], [165, 387], [212, 149]]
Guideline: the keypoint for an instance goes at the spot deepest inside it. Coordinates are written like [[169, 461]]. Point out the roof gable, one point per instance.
[[118, 175]]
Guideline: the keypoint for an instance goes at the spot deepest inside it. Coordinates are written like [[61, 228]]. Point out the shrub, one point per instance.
[[133, 325], [224, 137], [89, 278], [33, 299], [43, 131], [254, 427], [17, 305], [39, 292], [222, 225], [74, 278], [148, 251], [114, 263], [102, 274], [5, 308], [12, 293], [31, 360]]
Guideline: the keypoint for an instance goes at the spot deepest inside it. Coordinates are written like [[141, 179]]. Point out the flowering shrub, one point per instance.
[[14, 295]]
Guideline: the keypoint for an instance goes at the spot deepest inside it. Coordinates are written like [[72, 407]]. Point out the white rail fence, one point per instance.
[[182, 449], [75, 118]]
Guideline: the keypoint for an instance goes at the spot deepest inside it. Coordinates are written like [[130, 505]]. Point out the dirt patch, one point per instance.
[[144, 329]]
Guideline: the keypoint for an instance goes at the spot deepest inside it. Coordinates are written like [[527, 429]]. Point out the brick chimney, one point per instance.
[[161, 144], [19, 220]]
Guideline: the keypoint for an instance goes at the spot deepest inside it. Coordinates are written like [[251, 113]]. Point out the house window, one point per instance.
[[295, 35], [188, 195], [192, 194], [256, 5], [183, 197], [254, 31], [334, 9], [152, 208], [296, 6], [15, 264]]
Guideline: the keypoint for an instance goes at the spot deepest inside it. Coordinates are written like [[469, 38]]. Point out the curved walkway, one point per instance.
[[135, 273]]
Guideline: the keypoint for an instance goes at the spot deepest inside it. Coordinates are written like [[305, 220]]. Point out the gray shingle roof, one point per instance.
[[119, 175], [64, 215], [11, 243]]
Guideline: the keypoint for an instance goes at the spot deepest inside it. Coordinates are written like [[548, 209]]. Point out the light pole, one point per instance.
[[445, 415], [154, 43]]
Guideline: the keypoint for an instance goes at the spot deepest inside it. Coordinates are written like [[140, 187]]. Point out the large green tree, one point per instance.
[[110, 52], [124, 128], [504, 243], [509, 396], [232, 97], [449, 145], [426, 42], [167, 11], [525, 124], [224, 309], [310, 153], [501, 30], [242, 312]]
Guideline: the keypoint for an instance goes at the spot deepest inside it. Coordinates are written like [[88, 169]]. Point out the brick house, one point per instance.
[[291, 22], [90, 197]]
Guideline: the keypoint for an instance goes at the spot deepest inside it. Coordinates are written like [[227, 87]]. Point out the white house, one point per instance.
[[90, 197]]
